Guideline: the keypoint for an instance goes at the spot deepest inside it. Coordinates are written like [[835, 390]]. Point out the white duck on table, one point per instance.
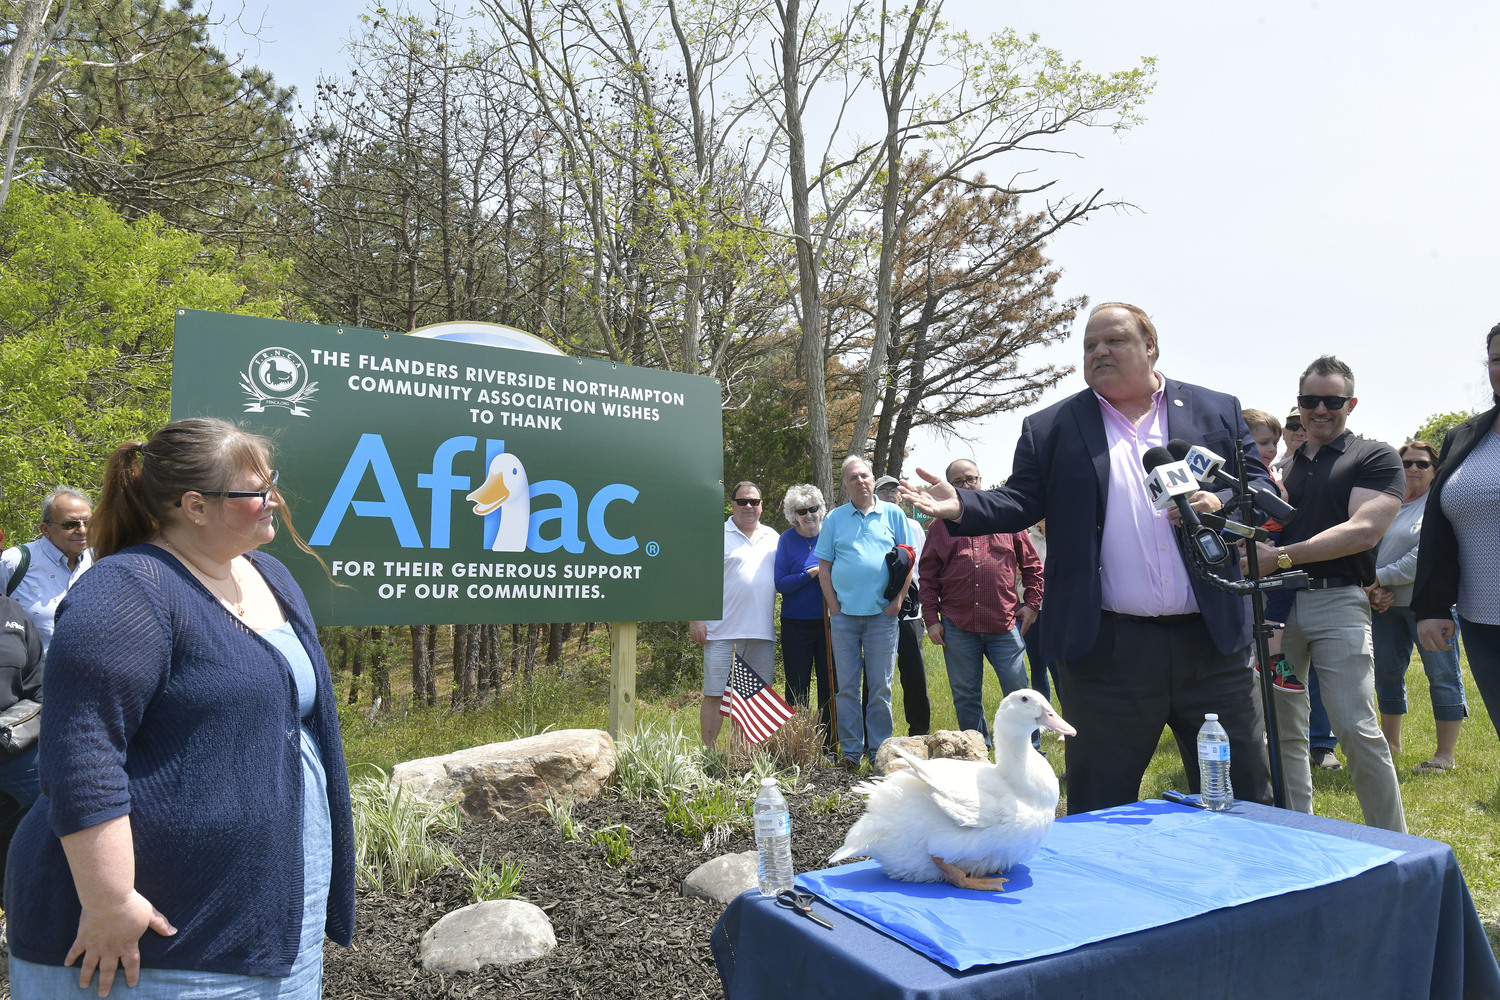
[[961, 821]]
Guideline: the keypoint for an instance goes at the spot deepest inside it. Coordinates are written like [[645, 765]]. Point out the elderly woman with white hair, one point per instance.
[[804, 641]]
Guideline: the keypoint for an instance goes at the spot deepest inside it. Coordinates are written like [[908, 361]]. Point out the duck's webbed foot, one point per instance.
[[958, 878]]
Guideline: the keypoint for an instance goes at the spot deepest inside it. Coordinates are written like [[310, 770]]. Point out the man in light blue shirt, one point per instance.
[[853, 572], [57, 557]]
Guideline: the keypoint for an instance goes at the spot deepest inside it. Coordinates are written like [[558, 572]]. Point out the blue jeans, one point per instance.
[[964, 653], [864, 644], [1482, 644], [1395, 632]]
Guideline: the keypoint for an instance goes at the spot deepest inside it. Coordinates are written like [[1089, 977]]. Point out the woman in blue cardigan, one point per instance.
[[194, 829]]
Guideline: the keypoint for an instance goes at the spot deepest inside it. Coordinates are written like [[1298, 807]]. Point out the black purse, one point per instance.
[[20, 728]]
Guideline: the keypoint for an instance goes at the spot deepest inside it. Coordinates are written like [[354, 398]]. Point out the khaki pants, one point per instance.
[[1332, 629]]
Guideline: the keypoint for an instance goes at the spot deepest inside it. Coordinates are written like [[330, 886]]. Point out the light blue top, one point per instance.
[[46, 582], [1396, 559], [1470, 499], [856, 543]]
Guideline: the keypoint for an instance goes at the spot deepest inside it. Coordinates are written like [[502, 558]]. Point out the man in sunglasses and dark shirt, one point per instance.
[[57, 557], [1346, 491]]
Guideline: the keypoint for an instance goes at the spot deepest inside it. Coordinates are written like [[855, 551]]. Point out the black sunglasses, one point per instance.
[[1332, 402], [804, 511], [745, 502], [72, 524], [1416, 463], [245, 494], [1294, 427]]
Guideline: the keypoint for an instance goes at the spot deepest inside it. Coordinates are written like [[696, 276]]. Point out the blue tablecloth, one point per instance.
[[1099, 875], [1398, 930]]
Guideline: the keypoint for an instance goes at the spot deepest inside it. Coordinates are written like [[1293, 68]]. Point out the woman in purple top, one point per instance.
[[804, 642]]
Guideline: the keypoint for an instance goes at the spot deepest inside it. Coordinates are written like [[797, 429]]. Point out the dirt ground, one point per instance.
[[621, 932]]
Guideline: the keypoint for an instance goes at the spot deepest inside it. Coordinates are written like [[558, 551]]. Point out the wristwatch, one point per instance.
[[1283, 561]]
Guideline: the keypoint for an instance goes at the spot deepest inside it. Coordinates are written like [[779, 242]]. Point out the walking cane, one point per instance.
[[830, 676]]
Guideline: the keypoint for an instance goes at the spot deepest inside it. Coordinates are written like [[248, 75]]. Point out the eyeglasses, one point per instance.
[[72, 524], [1294, 428], [1332, 402], [264, 494], [747, 502], [1416, 463], [804, 511], [966, 481]]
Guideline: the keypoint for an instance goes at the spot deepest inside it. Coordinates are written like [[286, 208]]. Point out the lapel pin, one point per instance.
[[1176, 402]]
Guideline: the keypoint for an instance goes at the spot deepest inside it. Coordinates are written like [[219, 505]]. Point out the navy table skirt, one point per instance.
[[1401, 930]]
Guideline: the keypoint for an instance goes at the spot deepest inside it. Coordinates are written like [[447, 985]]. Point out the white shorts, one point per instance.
[[718, 657]]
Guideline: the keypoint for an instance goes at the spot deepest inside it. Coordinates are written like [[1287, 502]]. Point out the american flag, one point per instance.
[[753, 704]]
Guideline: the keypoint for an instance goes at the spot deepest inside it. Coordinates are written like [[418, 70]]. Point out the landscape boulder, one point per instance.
[[495, 932], [723, 878], [491, 780], [966, 745]]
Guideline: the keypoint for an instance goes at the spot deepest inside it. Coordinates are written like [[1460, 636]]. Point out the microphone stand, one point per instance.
[[1255, 586]]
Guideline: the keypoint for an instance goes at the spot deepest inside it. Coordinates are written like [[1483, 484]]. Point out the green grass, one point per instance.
[[1461, 808]]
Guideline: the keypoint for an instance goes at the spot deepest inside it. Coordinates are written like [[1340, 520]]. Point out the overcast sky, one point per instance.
[[1311, 178]]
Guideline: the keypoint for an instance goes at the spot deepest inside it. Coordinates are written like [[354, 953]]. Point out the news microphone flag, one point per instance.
[[754, 706]]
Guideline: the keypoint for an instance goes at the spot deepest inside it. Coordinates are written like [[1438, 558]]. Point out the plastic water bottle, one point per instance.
[[773, 839], [1213, 764]]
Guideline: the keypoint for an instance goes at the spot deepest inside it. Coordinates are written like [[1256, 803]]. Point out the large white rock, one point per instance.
[[490, 780], [723, 878], [495, 932], [965, 745]]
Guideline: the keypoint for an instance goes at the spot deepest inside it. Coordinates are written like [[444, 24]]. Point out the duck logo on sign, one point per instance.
[[277, 376], [506, 490]]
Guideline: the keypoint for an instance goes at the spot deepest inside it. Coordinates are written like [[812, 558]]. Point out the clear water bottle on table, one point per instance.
[[773, 839], [1213, 765]]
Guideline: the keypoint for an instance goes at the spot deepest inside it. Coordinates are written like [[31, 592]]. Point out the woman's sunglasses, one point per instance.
[[804, 511], [1416, 463]]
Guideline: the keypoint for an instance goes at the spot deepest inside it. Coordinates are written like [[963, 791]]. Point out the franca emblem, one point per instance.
[[277, 377]]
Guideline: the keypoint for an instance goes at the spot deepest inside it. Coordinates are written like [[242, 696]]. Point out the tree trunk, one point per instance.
[[818, 450], [356, 668], [419, 663], [554, 643]]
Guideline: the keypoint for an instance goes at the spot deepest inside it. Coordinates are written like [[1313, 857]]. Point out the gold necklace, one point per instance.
[[237, 607]]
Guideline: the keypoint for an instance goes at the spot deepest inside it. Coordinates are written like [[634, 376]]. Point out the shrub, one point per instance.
[[796, 747], [562, 816], [709, 815], [615, 839], [486, 883], [656, 762], [393, 832]]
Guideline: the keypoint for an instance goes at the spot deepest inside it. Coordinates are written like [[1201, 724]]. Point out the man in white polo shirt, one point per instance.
[[749, 604]]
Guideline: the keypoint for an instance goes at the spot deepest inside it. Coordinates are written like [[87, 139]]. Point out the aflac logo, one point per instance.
[[277, 377], [505, 489], [521, 513]]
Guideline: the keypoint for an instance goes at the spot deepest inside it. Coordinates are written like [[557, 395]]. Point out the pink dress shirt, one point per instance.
[[1141, 568]]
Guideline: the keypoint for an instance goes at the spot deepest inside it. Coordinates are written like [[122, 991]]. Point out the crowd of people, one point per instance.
[[170, 650], [1399, 549]]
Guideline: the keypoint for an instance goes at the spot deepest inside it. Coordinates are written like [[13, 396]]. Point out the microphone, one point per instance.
[[1172, 483], [1220, 523], [1209, 468]]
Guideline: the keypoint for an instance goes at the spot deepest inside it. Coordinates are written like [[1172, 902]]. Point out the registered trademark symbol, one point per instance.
[[652, 549]]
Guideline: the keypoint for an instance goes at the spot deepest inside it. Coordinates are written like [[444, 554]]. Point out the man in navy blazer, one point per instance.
[[1141, 641]]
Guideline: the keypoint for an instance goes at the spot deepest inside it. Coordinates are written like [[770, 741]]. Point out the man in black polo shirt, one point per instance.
[[1346, 491]]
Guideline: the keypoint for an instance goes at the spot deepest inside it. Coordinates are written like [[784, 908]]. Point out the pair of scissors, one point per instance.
[[802, 903]]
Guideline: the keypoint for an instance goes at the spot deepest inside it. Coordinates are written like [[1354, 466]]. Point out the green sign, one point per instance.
[[453, 483]]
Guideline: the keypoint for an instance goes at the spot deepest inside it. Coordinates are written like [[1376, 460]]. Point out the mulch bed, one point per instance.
[[621, 932]]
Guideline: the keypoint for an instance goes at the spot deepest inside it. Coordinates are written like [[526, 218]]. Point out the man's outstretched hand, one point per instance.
[[939, 500]]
